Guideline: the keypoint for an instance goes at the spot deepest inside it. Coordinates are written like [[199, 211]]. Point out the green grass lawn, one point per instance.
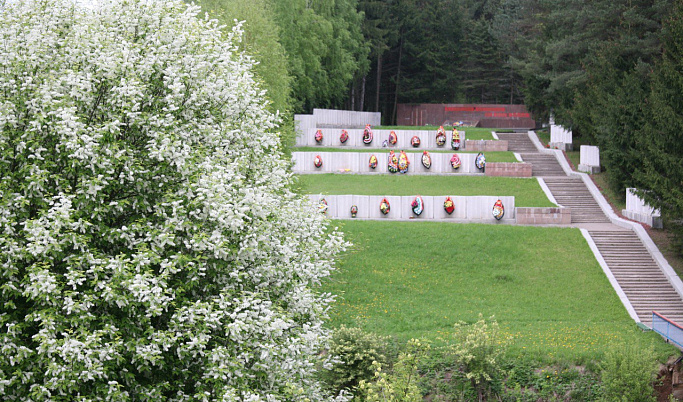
[[543, 136], [490, 156], [416, 279], [527, 191], [472, 133]]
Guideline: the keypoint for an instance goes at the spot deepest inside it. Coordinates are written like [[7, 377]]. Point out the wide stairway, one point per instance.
[[638, 275], [571, 192], [543, 165], [518, 142]]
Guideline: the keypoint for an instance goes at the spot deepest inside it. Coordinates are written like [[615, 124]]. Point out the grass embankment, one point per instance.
[[527, 192], [410, 279], [490, 156], [471, 133]]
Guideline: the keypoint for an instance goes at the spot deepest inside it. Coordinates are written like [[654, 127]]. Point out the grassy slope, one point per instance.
[[416, 279], [527, 192]]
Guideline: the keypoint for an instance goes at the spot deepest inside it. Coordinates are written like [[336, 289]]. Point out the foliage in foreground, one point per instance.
[[399, 385], [627, 374], [150, 247], [356, 353], [477, 349], [481, 370]]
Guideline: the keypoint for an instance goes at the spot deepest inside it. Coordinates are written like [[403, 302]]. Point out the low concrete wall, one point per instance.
[[346, 118], [475, 208], [331, 139], [508, 169], [358, 162], [543, 216], [486, 145]]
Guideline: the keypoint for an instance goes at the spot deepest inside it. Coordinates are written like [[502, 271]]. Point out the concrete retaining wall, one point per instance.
[[358, 162], [486, 145], [331, 139], [508, 169], [544, 216], [475, 208], [638, 210], [346, 118], [303, 123]]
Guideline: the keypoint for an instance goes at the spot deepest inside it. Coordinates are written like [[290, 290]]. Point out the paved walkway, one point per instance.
[[640, 281]]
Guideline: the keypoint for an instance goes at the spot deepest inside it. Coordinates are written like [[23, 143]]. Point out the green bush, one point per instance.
[[477, 350], [627, 374], [354, 351], [399, 385]]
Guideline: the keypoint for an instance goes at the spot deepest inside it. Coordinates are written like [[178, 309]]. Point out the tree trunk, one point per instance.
[[398, 80], [379, 80], [353, 96], [362, 96]]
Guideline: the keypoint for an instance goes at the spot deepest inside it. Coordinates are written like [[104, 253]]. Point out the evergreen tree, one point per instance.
[[431, 43], [611, 110], [661, 143], [481, 69]]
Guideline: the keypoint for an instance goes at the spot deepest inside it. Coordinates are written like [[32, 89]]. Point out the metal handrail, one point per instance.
[[670, 330]]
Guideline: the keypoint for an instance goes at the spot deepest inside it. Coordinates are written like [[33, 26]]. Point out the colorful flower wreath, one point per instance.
[[367, 135], [440, 136], [403, 162], [455, 139], [384, 206], [426, 160], [392, 163], [393, 138], [344, 136], [448, 205], [480, 161], [455, 161], [417, 205], [498, 210]]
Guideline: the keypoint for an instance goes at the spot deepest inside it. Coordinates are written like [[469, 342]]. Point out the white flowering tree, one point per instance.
[[150, 247]]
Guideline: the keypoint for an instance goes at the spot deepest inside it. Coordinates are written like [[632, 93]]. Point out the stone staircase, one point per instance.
[[639, 276], [518, 142], [571, 192], [543, 165]]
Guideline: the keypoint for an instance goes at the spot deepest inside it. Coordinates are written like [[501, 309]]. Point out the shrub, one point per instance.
[[477, 349], [628, 373], [399, 385], [355, 352], [150, 247]]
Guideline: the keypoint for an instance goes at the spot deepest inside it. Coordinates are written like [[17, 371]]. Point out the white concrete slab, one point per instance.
[[560, 134], [590, 155], [480, 208], [418, 167]]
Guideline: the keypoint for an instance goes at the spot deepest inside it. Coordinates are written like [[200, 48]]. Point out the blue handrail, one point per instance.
[[668, 329]]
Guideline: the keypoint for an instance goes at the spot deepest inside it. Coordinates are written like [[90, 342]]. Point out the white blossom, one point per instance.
[[150, 245]]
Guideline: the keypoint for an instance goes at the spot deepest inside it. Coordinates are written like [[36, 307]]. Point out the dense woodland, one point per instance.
[[609, 69]]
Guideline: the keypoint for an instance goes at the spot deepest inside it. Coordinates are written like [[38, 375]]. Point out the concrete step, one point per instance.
[[573, 193], [638, 275]]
